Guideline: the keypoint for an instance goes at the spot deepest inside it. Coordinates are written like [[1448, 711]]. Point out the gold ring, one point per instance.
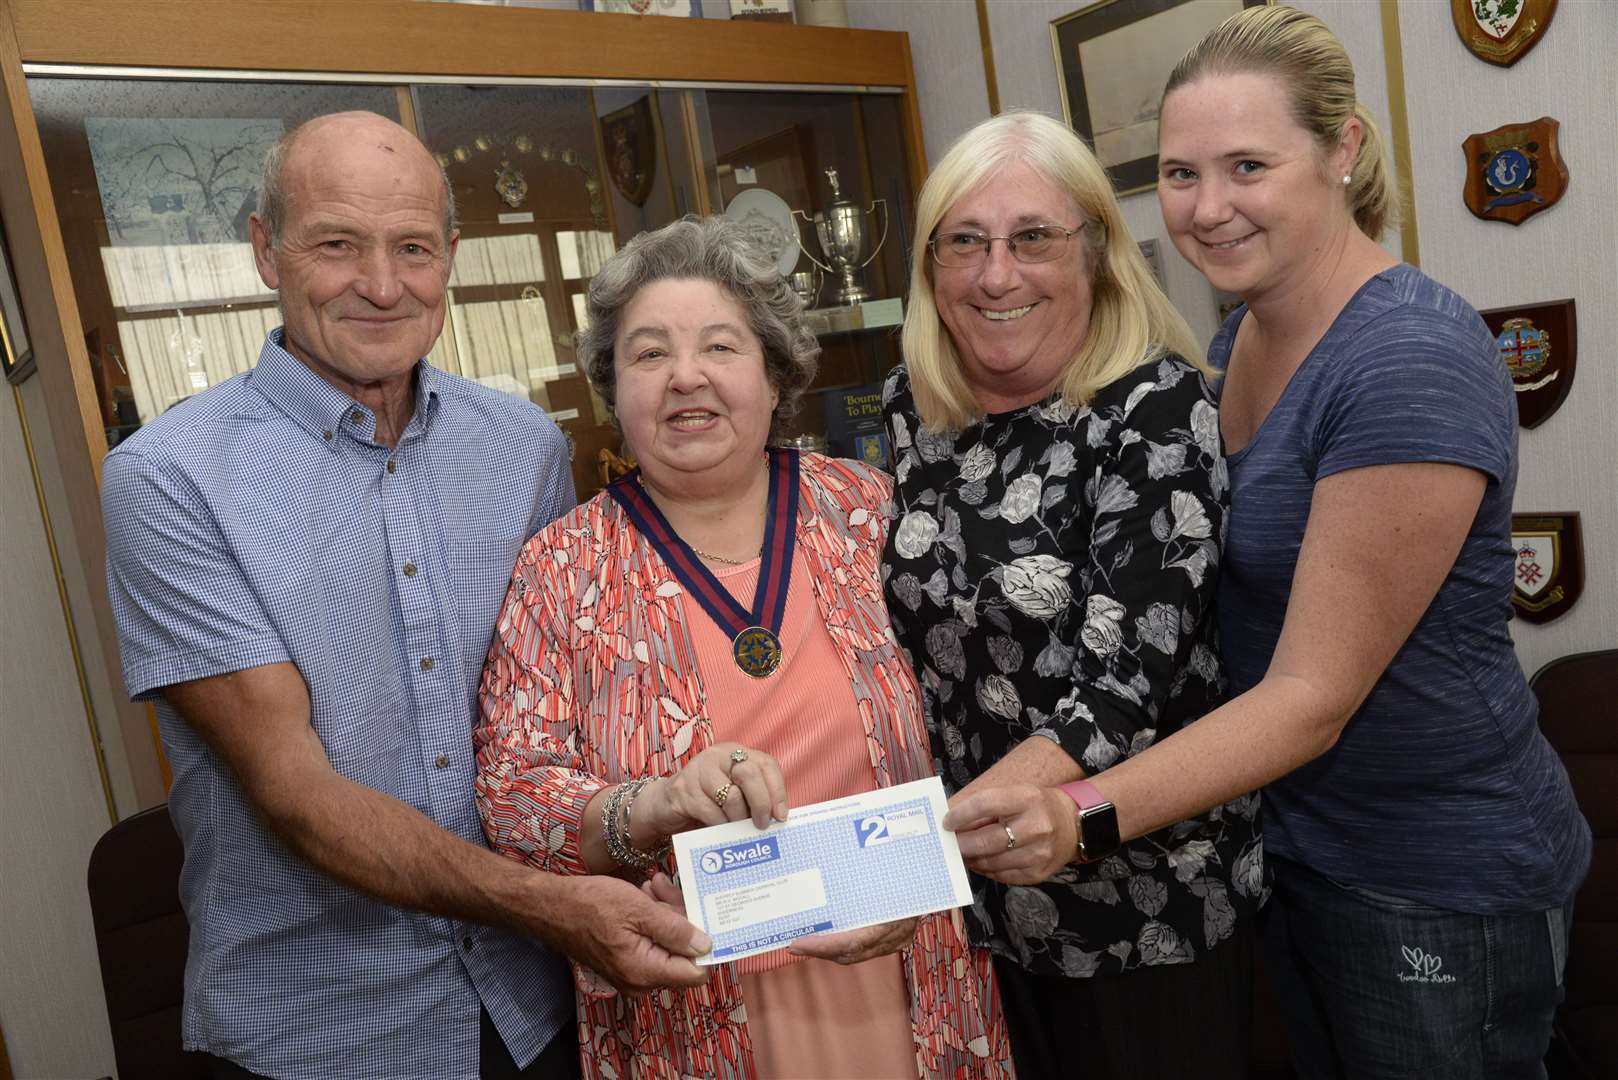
[[738, 756], [721, 794], [1011, 839]]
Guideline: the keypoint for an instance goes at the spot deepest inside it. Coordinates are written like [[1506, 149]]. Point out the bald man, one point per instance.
[[306, 562]]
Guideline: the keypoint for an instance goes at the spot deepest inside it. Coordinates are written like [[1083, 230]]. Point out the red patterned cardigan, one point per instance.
[[592, 680]]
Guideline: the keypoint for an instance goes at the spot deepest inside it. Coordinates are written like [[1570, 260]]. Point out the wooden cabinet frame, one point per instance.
[[371, 40]]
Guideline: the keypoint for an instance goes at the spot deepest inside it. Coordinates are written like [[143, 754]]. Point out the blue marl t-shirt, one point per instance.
[[1441, 789]]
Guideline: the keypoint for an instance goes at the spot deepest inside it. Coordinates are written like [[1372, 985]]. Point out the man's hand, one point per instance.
[[984, 819], [619, 932]]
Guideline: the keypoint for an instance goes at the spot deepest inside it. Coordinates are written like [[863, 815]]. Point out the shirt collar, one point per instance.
[[319, 407]]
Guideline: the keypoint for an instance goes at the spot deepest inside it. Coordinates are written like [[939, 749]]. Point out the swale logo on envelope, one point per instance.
[[735, 856]]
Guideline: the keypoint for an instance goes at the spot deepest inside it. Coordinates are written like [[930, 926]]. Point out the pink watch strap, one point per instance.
[[1085, 794]]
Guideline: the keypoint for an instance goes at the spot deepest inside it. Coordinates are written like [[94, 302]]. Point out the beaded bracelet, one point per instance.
[[616, 834]]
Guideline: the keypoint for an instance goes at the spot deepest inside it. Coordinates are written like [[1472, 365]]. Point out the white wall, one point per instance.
[[52, 809], [946, 55], [1571, 461]]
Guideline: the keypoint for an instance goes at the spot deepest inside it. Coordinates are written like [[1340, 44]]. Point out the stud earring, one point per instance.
[[1348, 180]]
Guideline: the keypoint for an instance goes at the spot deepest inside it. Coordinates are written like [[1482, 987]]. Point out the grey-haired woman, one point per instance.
[[706, 641]]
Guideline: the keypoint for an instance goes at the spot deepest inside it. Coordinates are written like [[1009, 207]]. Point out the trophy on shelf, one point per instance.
[[841, 229], [806, 283]]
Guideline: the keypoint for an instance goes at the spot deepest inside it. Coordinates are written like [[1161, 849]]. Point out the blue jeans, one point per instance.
[[1374, 987]]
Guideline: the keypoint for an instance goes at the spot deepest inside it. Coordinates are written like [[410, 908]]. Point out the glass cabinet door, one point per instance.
[[154, 180]]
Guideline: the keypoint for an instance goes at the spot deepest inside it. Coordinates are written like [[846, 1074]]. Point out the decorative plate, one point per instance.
[[768, 220]]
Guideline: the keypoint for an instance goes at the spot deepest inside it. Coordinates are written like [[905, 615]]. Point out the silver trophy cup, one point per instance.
[[806, 283], [841, 229]]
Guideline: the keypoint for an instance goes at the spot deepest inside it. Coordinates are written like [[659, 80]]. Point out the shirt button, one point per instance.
[[326, 435], [409, 569], [466, 943], [356, 416], [426, 663], [443, 761], [391, 465]]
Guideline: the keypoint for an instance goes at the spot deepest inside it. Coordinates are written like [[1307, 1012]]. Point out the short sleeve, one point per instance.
[[1418, 385], [184, 609]]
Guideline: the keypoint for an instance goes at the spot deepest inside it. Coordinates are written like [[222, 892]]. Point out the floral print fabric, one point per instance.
[[1050, 573]]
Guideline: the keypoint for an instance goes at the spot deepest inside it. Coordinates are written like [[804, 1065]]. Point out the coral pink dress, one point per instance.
[[793, 1003]]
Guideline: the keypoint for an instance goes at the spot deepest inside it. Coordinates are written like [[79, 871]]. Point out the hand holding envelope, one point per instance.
[[726, 782], [855, 872]]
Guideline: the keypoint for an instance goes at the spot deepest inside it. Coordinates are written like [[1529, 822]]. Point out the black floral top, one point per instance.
[[1050, 573]]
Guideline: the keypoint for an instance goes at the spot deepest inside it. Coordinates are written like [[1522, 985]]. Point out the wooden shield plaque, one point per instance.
[[1549, 559], [1501, 31], [1538, 344], [629, 141], [1514, 172]]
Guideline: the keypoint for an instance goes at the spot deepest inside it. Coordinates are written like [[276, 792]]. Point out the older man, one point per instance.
[[306, 564]]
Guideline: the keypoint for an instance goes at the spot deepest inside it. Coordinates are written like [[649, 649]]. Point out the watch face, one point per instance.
[[1098, 831]]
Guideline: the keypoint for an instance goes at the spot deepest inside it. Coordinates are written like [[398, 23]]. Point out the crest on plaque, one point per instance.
[[1514, 172], [1501, 31], [1538, 344], [1548, 556], [510, 184], [629, 140]]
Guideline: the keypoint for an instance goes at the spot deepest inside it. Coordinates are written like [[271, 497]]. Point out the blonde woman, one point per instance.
[[1422, 835], [1059, 505]]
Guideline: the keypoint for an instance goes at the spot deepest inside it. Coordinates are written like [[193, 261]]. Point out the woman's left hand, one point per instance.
[[857, 946], [1018, 834]]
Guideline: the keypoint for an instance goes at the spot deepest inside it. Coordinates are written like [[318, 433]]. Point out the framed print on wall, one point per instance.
[[1112, 59], [16, 353]]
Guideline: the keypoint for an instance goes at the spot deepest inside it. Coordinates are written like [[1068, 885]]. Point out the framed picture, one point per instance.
[[783, 162], [1113, 58], [15, 350], [682, 9]]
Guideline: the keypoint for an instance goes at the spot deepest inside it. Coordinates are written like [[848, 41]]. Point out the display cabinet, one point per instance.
[[154, 177], [134, 131]]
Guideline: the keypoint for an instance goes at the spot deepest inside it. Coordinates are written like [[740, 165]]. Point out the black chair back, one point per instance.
[[1578, 711], [141, 936]]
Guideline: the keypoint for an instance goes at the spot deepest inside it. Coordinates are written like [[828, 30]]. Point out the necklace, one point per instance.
[[720, 558], [754, 631]]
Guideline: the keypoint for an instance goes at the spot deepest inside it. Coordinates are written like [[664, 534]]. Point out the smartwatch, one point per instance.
[[1096, 819]]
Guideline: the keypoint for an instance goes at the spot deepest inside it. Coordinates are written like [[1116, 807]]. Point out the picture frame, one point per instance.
[[782, 162], [1112, 59], [16, 350], [680, 9]]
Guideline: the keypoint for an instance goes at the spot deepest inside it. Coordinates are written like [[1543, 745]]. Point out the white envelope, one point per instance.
[[836, 865]]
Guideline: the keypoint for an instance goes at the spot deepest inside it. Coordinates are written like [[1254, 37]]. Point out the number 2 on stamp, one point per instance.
[[872, 830]]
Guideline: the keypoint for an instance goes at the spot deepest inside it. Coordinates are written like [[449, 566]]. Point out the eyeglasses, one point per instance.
[[1035, 244]]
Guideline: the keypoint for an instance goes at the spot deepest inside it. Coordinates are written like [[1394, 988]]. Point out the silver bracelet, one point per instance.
[[616, 833]]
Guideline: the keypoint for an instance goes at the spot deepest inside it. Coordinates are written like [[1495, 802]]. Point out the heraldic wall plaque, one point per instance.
[[1538, 344], [1514, 172], [1501, 31], [1549, 558]]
